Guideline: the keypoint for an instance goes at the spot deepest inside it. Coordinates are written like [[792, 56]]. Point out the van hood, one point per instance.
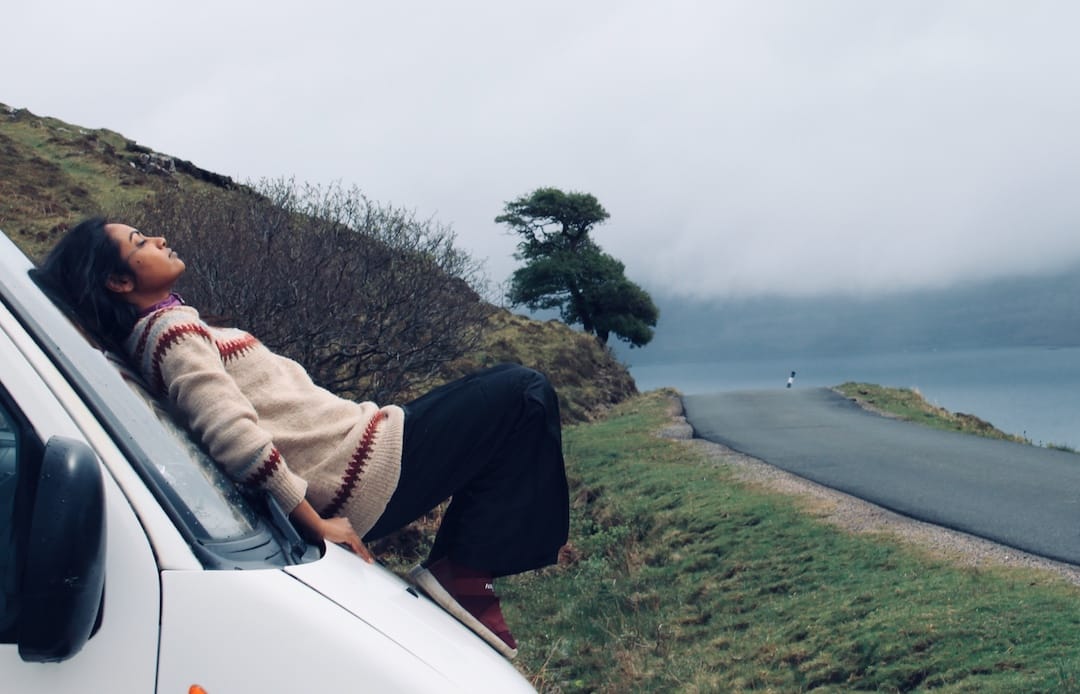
[[405, 615]]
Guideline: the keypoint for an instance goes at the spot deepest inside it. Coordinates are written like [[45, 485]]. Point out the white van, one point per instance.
[[128, 563]]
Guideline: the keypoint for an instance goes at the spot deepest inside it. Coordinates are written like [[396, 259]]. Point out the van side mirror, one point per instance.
[[64, 579]]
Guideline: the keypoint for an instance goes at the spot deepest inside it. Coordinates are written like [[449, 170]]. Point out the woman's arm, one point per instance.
[[189, 368], [183, 360]]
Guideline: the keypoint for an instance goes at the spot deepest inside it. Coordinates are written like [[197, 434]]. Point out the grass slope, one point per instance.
[[679, 578], [53, 173], [587, 376]]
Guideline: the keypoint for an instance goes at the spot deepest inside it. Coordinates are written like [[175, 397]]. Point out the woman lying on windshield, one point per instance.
[[343, 470]]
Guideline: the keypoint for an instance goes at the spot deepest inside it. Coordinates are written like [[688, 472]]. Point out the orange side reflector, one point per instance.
[[196, 689]]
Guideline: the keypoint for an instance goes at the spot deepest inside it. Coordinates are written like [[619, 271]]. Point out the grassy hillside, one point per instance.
[[681, 578], [53, 174], [583, 371]]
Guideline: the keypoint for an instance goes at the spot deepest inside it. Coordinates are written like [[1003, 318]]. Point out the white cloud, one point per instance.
[[741, 147]]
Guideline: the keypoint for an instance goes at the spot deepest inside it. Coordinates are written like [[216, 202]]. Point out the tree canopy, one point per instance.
[[565, 269]]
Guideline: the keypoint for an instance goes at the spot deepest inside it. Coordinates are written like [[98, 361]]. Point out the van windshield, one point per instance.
[[219, 511]]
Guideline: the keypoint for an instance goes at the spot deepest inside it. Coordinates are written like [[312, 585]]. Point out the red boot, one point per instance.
[[469, 595]]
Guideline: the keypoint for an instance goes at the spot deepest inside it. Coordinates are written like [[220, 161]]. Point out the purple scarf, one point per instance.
[[173, 300]]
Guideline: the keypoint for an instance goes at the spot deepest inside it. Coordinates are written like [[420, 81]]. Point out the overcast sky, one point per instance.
[[740, 147]]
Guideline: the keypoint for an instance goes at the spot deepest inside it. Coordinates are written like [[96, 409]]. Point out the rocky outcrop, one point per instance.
[[149, 161]]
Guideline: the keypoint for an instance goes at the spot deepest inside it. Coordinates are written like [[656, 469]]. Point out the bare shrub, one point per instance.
[[371, 300]]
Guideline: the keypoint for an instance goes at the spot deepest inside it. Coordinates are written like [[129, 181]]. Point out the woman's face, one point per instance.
[[154, 266]]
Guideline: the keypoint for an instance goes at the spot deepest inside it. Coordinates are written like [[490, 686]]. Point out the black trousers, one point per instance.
[[492, 441]]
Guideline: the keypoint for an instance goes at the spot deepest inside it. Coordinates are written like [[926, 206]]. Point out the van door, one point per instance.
[[121, 653]]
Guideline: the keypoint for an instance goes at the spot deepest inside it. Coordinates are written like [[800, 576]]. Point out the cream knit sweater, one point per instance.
[[266, 423]]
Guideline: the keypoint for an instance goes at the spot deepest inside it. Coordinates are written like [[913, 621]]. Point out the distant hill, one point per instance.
[[1020, 311]]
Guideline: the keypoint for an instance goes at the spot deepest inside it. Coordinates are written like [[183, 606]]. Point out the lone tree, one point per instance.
[[565, 269]]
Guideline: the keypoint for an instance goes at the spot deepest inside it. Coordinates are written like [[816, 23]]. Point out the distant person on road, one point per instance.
[[791, 379], [342, 470]]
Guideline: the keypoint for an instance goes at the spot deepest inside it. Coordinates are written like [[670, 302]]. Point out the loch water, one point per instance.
[[1030, 391]]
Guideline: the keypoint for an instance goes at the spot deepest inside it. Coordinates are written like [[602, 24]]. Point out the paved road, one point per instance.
[[1022, 496]]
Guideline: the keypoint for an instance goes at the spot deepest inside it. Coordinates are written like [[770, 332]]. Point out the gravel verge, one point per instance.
[[858, 516]]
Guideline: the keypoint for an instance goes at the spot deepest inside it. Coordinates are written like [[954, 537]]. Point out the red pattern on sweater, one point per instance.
[[355, 467], [141, 347], [168, 339], [266, 470], [230, 349]]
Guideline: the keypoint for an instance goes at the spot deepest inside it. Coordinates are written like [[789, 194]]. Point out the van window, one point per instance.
[[20, 453], [199, 485]]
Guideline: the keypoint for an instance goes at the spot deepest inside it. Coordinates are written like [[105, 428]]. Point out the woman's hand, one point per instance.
[[337, 530], [340, 530]]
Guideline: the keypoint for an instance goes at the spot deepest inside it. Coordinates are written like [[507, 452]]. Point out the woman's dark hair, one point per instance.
[[76, 270]]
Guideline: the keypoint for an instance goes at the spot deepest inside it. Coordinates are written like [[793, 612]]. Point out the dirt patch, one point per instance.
[[858, 516]]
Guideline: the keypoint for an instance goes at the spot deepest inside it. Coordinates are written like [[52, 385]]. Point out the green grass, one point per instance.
[[679, 578]]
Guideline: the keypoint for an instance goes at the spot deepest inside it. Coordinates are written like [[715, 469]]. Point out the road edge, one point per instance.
[[855, 515]]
